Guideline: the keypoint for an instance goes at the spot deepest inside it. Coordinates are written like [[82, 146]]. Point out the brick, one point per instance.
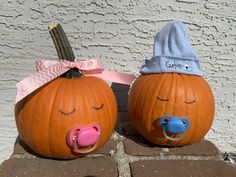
[[202, 148], [180, 168], [39, 167], [140, 147], [22, 150], [108, 148]]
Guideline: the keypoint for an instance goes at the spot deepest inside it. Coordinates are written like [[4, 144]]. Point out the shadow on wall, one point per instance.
[[121, 93]]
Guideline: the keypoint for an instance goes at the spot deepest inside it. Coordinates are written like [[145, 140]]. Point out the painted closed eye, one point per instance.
[[98, 107], [190, 102], [162, 99], [63, 113]]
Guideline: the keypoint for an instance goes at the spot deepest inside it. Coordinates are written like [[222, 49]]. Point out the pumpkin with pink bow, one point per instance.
[[66, 110]]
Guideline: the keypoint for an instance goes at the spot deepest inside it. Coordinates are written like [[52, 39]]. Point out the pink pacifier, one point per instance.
[[84, 139]]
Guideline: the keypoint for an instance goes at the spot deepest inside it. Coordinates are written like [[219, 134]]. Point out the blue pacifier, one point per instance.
[[174, 125]]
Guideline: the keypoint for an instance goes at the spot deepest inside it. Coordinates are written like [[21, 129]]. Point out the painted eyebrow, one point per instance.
[[189, 102], [66, 113], [97, 108], [162, 99]]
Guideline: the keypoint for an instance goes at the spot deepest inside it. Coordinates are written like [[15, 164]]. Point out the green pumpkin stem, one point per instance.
[[63, 47]]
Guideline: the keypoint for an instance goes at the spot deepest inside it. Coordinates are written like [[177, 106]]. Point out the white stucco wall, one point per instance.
[[121, 34]]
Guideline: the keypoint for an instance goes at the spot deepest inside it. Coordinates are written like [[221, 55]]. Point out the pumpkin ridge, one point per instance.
[[207, 90], [174, 98], [87, 84], [211, 94], [165, 77], [169, 76], [133, 87], [114, 106], [21, 105], [181, 84], [158, 82], [139, 88], [186, 88], [31, 143], [102, 116], [149, 82], [32, 126], [69, 83], [175, 86], [73, 93], [145, 83], [198, 119], [32, 123], [50, 117], [196, 95], [94, 95], [18, 114], [192, 82], [134, 98], [31, 120]]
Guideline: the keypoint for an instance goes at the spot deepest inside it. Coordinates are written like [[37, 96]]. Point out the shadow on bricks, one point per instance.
[[20, 148]]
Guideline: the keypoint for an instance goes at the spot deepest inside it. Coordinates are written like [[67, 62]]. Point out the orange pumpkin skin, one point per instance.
[[43, 126], [155, 95]]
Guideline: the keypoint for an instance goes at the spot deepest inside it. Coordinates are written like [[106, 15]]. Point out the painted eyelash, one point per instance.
[[162, 99], [189, 102], [97, 108], [66, 113]]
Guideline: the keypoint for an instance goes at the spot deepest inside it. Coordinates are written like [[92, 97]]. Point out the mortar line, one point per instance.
[[172, 157], [122, 158]]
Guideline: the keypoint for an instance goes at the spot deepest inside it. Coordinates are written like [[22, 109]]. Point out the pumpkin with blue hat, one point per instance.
[[170, 103]]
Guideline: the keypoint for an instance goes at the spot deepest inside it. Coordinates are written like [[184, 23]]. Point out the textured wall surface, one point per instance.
[[121, 34]]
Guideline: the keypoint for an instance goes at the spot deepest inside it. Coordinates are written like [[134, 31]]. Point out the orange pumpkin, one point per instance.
[[153, 96], [45, 117], [72, 115]]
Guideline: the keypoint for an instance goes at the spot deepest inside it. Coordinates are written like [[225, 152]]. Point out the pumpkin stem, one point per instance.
[[63, 47]]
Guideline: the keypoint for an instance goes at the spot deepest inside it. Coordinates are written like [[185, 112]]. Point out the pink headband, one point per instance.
[[47, 70]]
